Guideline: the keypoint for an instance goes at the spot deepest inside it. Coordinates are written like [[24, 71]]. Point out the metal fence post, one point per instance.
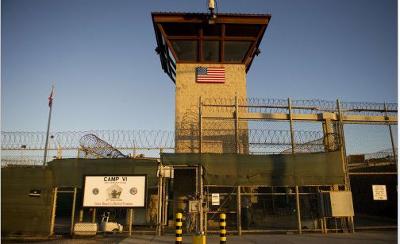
[[201, 226], [59, 152], [298, 210], [130, 221], [81, 215], [94, 215], [343, 147], [164, 210], [73, 211], [291, 124], [53, 212], [391, 134], [206, 217], [200, 124], [159, 205], [237, 144], [238, 212]]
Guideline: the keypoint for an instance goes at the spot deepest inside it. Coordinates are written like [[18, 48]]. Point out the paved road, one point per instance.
[[357, 238], [381, 237]]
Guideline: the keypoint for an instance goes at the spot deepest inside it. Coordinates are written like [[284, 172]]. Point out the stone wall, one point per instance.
[[218, 135]]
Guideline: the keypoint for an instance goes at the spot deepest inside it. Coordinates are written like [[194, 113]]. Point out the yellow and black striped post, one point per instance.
[[178, 229], [222, 228]]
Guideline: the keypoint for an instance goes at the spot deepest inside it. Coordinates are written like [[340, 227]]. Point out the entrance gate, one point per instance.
[[63, 210]]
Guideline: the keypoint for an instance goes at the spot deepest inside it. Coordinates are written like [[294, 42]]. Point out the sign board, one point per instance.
[[166, 171], [193, 206], [341, 204], [114, 191], [379, 192], [215, 199]]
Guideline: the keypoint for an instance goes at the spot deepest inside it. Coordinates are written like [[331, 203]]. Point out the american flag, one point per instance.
[[51, 96], [210, 74]]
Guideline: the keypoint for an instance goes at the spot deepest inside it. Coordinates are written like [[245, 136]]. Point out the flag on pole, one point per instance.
[[51, 96], [210, 74]]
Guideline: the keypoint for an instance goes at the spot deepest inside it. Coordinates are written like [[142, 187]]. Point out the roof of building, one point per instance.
[[203, 38]]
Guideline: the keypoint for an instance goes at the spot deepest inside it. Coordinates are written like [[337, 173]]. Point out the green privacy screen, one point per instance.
[[269, 170], [22, 214], [70, 172]]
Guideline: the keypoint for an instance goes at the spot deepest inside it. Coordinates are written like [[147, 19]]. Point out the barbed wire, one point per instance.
[[305, 106], [383, 154], [121, 139], [96, 147], [26, 148], [70, 139]]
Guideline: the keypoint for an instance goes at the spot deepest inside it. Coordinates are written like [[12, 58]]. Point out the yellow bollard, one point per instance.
[[178, 229], [222, 228], [199, 239]]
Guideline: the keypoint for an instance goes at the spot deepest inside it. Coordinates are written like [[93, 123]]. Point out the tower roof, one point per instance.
[[231, 38]]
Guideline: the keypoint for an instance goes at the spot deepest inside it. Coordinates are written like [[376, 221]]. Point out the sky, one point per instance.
[[100, 54]]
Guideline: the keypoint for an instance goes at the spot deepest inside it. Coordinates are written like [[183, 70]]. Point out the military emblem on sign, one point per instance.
[[114, 193], [133, 190], [95, 191]]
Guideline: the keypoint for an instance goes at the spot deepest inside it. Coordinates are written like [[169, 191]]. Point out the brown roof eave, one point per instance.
[[257, 46], [164, 60], [161, 17]]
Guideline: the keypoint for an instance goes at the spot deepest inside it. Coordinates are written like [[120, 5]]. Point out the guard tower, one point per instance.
[[207, 56]]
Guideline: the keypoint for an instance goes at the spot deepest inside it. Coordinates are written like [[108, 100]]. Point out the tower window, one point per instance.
[[185, 50], [235, 51], [211, 51]]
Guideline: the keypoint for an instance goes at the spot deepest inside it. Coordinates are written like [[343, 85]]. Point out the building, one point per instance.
[[304, 188]]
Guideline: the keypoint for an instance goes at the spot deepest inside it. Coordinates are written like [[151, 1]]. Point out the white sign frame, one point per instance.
[[379, 192], [117, 191]]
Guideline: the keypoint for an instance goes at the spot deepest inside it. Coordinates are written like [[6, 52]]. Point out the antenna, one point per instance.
[[211, 7]]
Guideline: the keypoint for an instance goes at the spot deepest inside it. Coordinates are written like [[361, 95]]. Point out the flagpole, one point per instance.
[[48, 127], [47, 137]]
